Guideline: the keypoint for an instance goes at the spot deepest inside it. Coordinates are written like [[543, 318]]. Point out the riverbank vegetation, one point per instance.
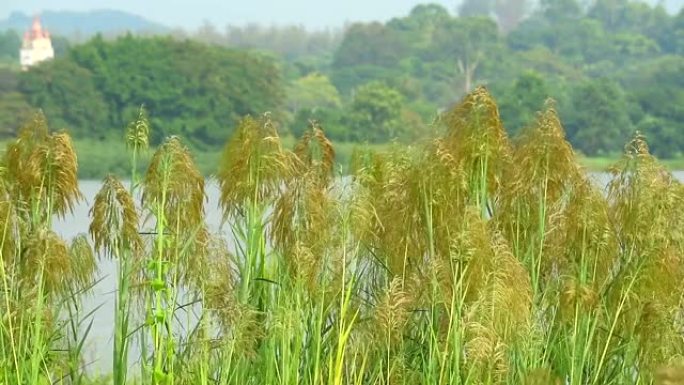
[[98, 159], [469, 259], [613, 66]]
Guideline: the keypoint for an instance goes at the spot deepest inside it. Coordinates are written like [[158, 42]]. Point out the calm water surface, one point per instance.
[[99, 345]]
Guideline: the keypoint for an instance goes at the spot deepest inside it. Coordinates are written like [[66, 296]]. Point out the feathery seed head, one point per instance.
[[83, 263], [173, 180], [391, 313], [476, 138], [43, 167], [315, 154], [253, 165], [114, 219], [138, 131], [47, 254]]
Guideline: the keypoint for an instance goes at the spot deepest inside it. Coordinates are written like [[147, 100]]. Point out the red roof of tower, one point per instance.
[[36, 31]]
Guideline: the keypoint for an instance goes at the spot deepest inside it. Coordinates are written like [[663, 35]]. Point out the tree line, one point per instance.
[[612, 66], [192, 89]]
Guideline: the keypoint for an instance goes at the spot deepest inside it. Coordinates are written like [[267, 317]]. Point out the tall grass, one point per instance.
[[42, 276], [471, 258]]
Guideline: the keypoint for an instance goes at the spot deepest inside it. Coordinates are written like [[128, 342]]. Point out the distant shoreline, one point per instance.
[[97, 159]]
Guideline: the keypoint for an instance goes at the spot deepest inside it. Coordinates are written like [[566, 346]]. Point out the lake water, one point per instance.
[[99, 343]]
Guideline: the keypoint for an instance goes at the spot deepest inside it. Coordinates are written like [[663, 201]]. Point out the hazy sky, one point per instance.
[[191, 14]]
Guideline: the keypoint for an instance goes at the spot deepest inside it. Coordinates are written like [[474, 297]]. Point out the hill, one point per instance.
[[84, 24]]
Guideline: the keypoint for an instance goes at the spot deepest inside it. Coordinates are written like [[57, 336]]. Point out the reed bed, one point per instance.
[[468, 259]]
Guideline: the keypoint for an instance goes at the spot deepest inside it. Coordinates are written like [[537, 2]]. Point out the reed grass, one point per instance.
[[471, 258]]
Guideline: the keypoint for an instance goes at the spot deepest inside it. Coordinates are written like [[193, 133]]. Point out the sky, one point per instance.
[[315, 14]]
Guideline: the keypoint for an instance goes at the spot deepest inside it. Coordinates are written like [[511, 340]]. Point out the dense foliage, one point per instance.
[[195, 91], [613, 66], [610, 66], [9, 46]]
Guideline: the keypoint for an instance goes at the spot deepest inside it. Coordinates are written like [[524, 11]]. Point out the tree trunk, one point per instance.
[[468, 68]]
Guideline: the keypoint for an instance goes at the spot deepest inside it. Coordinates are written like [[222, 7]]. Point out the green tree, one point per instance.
[[634, 46], [519, 104], [583, 41], [10, 43], [418, 28], [368, 52], [69, 95], [369, 44], [664, 139], [14, 109], [635, 18], [9, 80], [466, 42], [555, 11], [312, 91], [579, 41], [426, 16], [627, 15], [374, 114], [61, 45], [658, 90], [331, 119], [314, 97], [190, 89], [597, 119]]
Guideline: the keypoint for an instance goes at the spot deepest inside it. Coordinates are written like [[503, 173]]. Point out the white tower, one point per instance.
[[37, 46]]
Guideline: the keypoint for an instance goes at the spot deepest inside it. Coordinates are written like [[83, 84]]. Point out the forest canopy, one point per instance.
[[190, 89], [612, 66]]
